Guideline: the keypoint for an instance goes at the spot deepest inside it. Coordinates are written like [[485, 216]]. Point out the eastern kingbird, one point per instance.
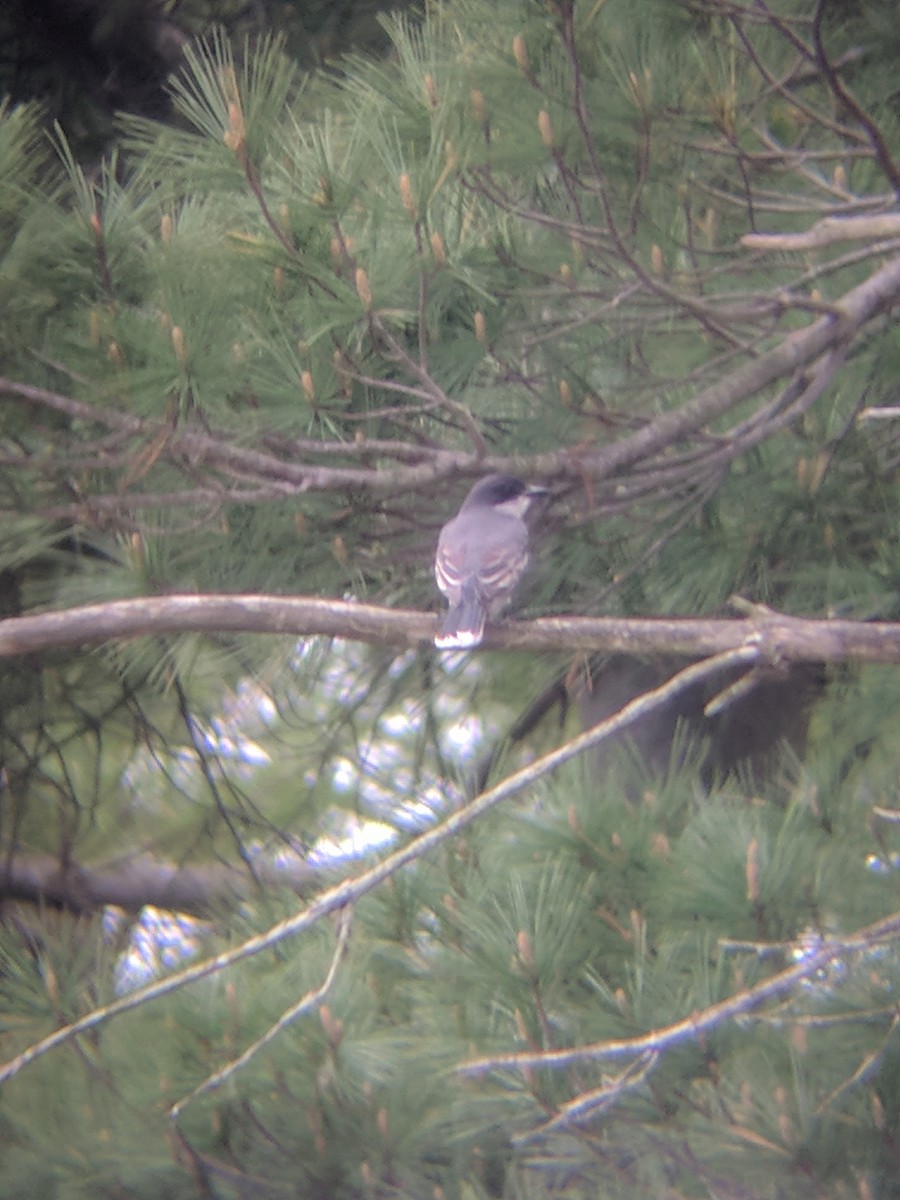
[[482, 553]]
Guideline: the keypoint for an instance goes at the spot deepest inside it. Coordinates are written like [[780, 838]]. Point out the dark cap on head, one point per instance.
[[498, 489]]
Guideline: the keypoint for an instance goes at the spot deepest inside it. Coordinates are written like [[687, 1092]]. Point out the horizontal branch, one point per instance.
[[200, 891], [776, 637], [828, 231]]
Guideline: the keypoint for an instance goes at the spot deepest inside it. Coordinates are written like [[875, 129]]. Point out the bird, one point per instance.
[[481, 555]]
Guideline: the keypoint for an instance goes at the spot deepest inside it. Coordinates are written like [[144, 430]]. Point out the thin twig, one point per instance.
[[586, 1106], [848, 101], [312, 999], [866, 1066], [351, 890]]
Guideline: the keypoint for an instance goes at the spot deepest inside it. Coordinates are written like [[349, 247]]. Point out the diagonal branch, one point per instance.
[[851, 312], [284, 476], [351, 890], [700, 1024], [849, 103]]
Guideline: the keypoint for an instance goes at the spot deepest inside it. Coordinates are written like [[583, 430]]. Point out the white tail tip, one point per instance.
[[459, 639]]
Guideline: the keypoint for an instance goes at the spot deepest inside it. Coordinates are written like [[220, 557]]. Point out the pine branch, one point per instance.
[[644, 1050], [769, 637], [351, 890], [310, 1000], [199, 890], [849, 103], [234, 474], [827, 232], [851, 312]]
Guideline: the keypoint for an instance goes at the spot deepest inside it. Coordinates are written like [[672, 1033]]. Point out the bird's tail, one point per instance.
[[463, 624]]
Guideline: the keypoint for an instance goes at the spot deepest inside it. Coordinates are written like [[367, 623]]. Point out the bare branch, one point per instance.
[[199, 890], [772, 637], [587, 1106], [695, 1026], [826, 232], [311, 1000], [856, 307]]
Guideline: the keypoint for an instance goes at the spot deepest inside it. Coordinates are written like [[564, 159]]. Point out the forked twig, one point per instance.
[[306, 1004]]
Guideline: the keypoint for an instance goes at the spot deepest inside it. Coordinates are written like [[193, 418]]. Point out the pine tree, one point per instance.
[[643, 253]]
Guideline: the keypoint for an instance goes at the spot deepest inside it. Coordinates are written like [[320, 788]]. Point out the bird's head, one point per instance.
[[502, 493]]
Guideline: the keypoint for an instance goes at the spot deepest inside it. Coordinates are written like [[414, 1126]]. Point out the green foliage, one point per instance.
[[264, 347], [596, 921]]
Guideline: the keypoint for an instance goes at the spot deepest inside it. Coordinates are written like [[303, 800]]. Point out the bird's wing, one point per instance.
[[450, 570], [492, 556], [501, 569]]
